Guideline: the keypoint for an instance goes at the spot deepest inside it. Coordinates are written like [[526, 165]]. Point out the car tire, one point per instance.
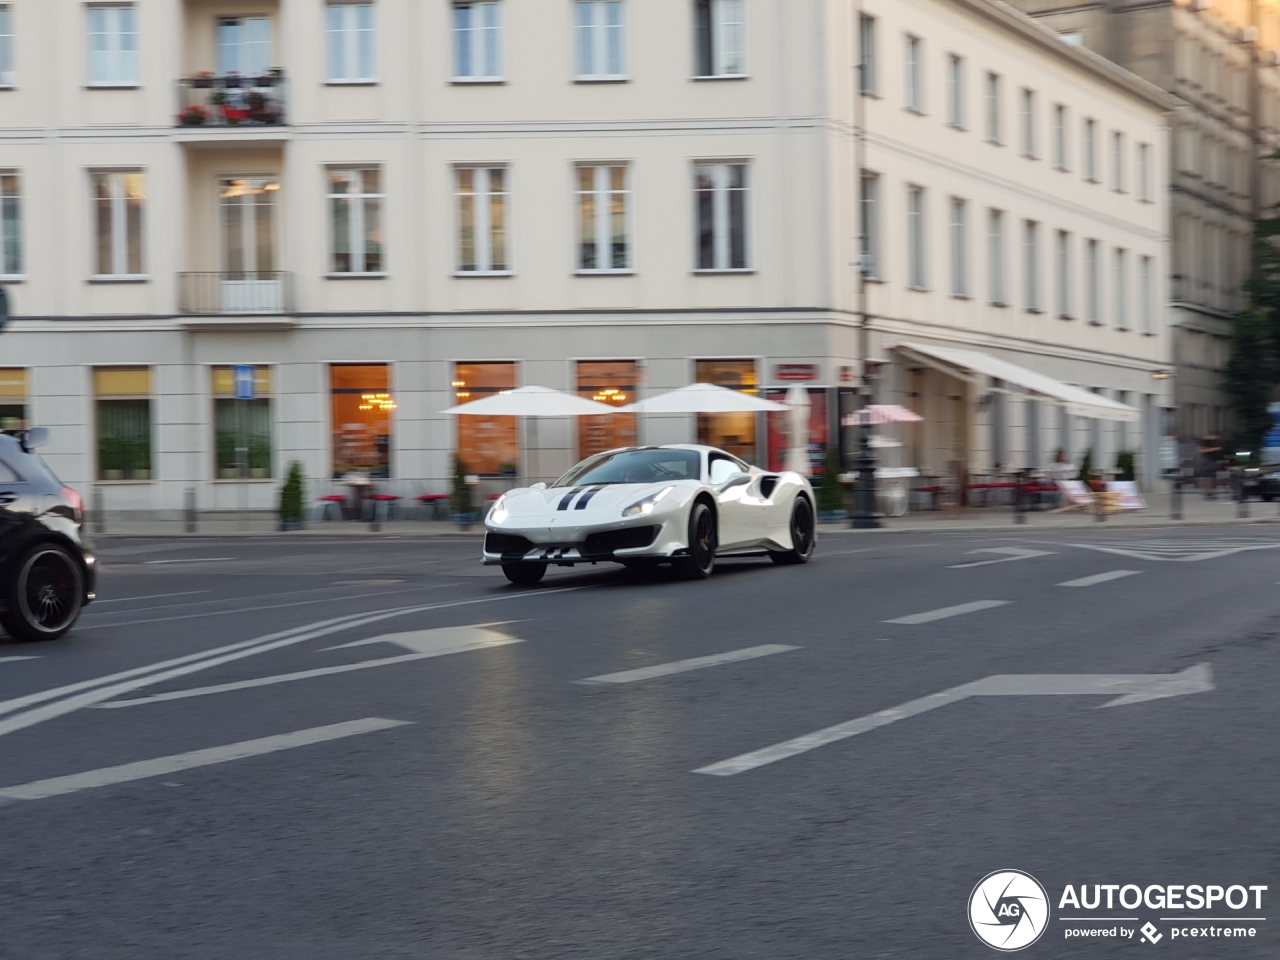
[[44, 600], [703, 540], [524, 574], [804, 537]]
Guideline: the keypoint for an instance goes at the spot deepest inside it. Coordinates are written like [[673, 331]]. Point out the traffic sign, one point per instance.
[[246, 382]]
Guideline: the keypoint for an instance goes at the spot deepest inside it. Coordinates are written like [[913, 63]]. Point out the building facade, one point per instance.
[[1219, 57], [238, 234]]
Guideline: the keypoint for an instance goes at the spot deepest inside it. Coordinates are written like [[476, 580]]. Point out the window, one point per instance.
[[361, 407], [1059, 136], [1063, 261], [1144, 172], [113, 46], [731, 432], [867, 79], [122, 401], [486, 445], [1029, 123], [721, 31], [477, 41], [10, 225], [1121, 284], [351, 42], [6, 45], [995, 257], [1117, 161], [612, 382], [1092, 281], [955, 91], [1146, 297], [119, 199], [482, 219], [992, 101], [242, 422], [355, 203], [721, 198], [1089, 146], [1031, 264], [601, 39], [604, 207], [870, 203], [917, 276], [13, 398], [244, 46], [959, 230], [914, 81]]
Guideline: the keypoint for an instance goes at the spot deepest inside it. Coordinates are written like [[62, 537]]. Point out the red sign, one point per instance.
[[848, 374], [796, 371]]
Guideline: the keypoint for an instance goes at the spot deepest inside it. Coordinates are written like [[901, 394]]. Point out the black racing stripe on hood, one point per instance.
[[586, 497], [568, 498]]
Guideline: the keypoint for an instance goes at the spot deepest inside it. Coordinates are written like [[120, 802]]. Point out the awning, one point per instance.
[[968, 364]]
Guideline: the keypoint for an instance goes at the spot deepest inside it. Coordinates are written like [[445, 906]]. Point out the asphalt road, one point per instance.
[[469, 798]]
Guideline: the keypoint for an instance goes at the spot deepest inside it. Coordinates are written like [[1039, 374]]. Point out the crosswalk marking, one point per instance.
[[941, 614], [683, 666], [1099, 578], [144, 769], [1185, 550]]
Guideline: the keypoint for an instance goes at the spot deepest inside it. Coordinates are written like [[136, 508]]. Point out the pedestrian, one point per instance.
[[1210, 454]]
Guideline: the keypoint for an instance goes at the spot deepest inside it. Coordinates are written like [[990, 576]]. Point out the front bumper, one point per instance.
[[643, 537]]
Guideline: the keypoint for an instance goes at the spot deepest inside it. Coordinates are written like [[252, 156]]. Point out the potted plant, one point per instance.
[[1087, 474], [830, 492], [1126, 467], [193, 116], [202, 80], [232, 80], [270, 78], [462, 502], [291, 498]]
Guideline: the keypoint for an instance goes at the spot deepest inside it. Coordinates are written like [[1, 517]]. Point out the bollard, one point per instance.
[[1019, 501], [375, 525], [189, 508], [1242, 506], [99, 514], [1175, 499]]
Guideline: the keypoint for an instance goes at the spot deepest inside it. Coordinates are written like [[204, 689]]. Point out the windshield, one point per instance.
[[635, 466]]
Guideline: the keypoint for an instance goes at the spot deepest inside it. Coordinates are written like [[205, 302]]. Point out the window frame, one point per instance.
[[269, 397], [8, 49], [711, 45], [1092, 282], [958, 237], [1146, 295], [350, 31], [118, 201], [1089, 149], [1031, 266], [1144, 172], [1120, 287], [913, 74], [868, 72], [598, 34], [115, 53], [992, 109], [18, 206], [1061, 150], [1117, 162], [722, 216], [99, 396], [358, 252], [955, 91], [1062, 263], [482, 219], [602, 207], [997, 285], [495, 72], [917, 238], [870, 236], [1028, 125]]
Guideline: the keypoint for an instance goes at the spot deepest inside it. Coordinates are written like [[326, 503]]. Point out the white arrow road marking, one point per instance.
[[1180, 551], [683, 666], [428, 643], [143, 769], [1014, 553], [1136, 688], [11, 659], [941, 614], [1099, 578]]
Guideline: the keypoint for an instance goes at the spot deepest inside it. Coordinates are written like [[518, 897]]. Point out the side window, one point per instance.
[[720, 468], [8, 474]]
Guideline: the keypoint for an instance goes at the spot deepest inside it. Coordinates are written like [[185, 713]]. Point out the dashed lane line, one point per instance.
[[1100, 578], [683, 666], [12, 659], [944, 612]]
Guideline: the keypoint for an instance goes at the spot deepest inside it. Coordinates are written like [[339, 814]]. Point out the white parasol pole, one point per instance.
[[798, 404]]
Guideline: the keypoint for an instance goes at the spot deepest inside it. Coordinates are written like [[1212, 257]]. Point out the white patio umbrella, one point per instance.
[[533, 402], [702, 398], [798, 403], [878, 414]]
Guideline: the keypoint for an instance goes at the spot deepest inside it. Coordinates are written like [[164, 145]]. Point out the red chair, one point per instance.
[[381, 502], [435, 501], [333, 501]]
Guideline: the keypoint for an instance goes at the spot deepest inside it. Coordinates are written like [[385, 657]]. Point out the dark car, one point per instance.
[[1269, 483], [47, 564]]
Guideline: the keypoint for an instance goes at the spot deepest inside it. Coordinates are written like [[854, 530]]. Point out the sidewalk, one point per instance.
[[1196, 511]]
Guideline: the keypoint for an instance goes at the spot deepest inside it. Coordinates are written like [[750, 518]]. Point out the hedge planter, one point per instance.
[[290, 525]]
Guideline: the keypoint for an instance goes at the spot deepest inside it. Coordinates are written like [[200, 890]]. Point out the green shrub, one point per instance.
[[830, 492], [292, 494], [1125, 465], [462, 500], [1086, 465]]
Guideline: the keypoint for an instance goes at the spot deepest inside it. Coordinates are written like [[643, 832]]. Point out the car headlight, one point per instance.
[[642, 508], [498, 512]]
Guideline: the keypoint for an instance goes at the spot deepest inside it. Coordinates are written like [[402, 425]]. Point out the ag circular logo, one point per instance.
[[1008, 910]]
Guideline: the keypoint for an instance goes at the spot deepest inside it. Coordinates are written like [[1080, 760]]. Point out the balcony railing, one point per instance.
[[206, 100], [235, 293]]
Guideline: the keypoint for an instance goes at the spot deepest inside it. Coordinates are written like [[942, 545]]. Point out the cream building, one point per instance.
[[238, 234]]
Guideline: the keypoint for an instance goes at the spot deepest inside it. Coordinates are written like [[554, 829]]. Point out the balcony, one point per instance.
[[207, 100], [235, 293]]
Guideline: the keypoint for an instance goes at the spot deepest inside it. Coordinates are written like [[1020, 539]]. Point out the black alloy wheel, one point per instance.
[[524, 574], [46, 596], [702, 544], [803, 536]]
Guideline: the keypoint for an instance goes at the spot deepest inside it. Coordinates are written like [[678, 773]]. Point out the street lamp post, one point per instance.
[[864, 490]]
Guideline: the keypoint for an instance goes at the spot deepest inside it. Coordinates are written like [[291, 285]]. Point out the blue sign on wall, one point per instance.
[[246, 383]]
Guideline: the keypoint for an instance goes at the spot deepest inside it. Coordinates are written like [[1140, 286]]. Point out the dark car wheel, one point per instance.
[[45, 598], [702, 545], [524, 574], [803, 537]]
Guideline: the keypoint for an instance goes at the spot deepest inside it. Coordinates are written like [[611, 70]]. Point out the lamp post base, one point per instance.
[[865, 516]]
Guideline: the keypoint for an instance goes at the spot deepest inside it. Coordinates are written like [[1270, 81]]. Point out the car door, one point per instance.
[[741, 509]]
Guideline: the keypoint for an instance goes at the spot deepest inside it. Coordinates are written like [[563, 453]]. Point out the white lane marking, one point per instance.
[[441, 640], [1014, 553], [191, 560], [1099, 578], [1181, 551], [1135, 688], [11, 659], [150, 596], [224, 613], [143, 769], [941, 614], [247, 648], [683, 666], [452, 640]]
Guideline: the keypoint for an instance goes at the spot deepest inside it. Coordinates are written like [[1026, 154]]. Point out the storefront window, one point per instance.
[[780, 430], [612, 382], [242, 423], [122, 397], [13, 398], [488, 446], [733, 432], [362, 408]]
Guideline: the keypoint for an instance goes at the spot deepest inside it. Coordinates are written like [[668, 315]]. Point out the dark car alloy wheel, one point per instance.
[[46, 596], [702, 544], [802, 535]]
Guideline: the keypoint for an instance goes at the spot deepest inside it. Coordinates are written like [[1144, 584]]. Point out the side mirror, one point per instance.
[[538, 486], [36, 437]]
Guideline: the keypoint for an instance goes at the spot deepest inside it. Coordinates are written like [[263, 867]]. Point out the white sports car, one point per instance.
[[680, 504]]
